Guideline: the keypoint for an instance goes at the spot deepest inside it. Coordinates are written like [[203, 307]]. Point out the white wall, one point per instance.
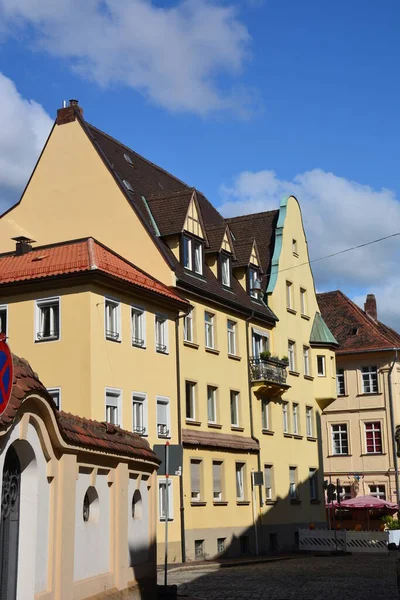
[[138, 527]]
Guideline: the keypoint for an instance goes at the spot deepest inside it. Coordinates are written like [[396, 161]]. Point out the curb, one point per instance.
[[228, 565]]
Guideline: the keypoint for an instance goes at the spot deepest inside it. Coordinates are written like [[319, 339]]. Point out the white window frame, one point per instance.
[[166, 427], [198, 255], [295, 418], [313, 483], [188, 242], [43, 303], [209, 330], [141, 314], [285, 417], [374, 432], [269, 489], [193, 387], [161, 344], [303, 301], [140, 397], [55, 390], [260, 342], [4, 307], [376, 493], [370, 371], [289, 295], [309, 421], [253, 276], [321, 372], [117, 392], [293, 489], [225, 270], [342, 434], [306, 360], [240, 481], [231, 329], [218, 495], [340, 377], [188, 327], [212, 402], [292, 355], [234, 395], [195, 495], [163, 483], [265, 417]]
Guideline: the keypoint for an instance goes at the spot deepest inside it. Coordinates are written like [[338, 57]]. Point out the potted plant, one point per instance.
[[392, 526], [265, 355], [285, 360]]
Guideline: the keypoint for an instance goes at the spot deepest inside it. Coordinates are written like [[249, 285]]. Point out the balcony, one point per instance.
[[268, 375]]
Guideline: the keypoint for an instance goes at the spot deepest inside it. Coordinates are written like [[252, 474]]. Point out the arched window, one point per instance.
[[90, 508], [137, 505]]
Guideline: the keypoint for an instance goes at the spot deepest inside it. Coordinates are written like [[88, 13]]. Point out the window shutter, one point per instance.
[[268, 477], [195, 475], [217, 478], [292, 475]]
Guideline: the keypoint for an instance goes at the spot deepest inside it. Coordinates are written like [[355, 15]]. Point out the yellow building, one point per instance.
[[359, 444], [239, 407]]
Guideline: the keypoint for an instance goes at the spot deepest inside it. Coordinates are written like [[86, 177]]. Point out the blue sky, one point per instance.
[[246, 100]]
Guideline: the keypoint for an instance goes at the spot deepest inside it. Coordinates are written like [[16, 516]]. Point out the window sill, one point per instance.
[[291, 310], [165, 353], [309, 377], [341, 455], [315, 501], [242, 502], [109, 339], [311, 438], [268, 432], [195, 275], [297, 436], [140, 346], [214, 425], [296, 254], [47, 340], [369, 394], [321, 375], [234, 357], [306, 317], [373, 454], [294, 373], [198, 503], [162, 519], [220, 503], [193, 422], [271, 502], [295, 501], [287, 435], [342, 395], [211, 350], [236, 428], [190, 344]]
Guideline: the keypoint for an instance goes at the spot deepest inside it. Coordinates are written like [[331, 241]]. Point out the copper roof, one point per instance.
[[205, 439]]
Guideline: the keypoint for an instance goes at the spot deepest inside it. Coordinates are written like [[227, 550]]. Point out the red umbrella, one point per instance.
[[368, 502]]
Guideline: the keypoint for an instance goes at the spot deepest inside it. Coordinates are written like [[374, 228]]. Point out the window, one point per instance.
[[192, 255], [225, 270], [340, 383], [188, 327], [370, 380], [198, 257], [268, 480], [113, 404], [293, 493], [313, 481], [55, 394], [209, 329], [378, 491], [138, 327], [306, 359], [3, 319], [220, 545], [163, 417], [199, 549], [161, 325], [187, 253], [321, 366], [289, 295], [295, 418], [292, 356], [231, 337], [346, 492], [239, 481], [195, 476], [139, 413], [127, 185], [309, 421], [303, 301], [47, 319], [373, 438], [162, 500], [285, 417], [217, 480], [340, 444], [211, 404], [260, 343], [294, 247], [265, 413], [112, 316], [190, 393], [234, 408], [253, 278]]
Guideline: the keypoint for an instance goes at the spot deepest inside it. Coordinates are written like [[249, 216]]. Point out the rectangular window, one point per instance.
[[55, 394], [293, 493], [313, 480], [198, 257], [209, 329], [265, 413], [234, 408], [306, 360], [292, 356], [260, 343], [195, 478], [370, 380], [139, 413], [239, 467], [340, 444], [225, 270], [231, 337], [3, 319], [212, 404], [163, 417], [253, 282], [112, 319], [340, 383], [295, 418], [217, 480], [346, 492], [378, 491], [289, 294], [113, 406], [285, 417], [199, 549], [187, 253], [161, 326], [309, 421], [303, 301], [321, 366], [162, 500], [188, 328], [138, 327], [47, 319], [220, 545], [373, 437], [268, 479], [190, 393]]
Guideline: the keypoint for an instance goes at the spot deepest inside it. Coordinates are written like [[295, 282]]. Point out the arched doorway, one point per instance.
[[9, 525]]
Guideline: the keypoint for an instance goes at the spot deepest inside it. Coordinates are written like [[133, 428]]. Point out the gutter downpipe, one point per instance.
[[178, 399], [393, 432]]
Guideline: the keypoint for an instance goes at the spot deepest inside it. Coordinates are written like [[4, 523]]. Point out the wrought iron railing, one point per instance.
[[268, 370]]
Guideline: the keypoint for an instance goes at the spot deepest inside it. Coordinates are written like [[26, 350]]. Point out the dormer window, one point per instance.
[[198, 257], [225, 270], [192, 255], [254, 276]]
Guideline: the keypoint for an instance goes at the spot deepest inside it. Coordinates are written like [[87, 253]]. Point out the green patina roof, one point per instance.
[[320, 332]]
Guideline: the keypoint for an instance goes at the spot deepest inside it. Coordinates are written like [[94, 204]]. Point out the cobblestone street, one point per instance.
[[366, 577]]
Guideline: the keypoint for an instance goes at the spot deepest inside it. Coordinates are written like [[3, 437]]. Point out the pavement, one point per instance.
[[296, 577]]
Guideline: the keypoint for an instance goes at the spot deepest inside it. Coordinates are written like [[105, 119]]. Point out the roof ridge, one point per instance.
[[250, 215]]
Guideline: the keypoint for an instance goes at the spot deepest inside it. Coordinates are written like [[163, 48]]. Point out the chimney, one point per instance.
[[370, 307], [67, 114], [23, 245]]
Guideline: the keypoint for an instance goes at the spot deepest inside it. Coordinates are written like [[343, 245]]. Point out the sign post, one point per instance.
[[256, 481], [166, 511]]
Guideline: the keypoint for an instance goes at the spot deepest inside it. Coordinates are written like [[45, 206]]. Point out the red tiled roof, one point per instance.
[[206, 439], [73, 257], [352, 327], [76, 431]]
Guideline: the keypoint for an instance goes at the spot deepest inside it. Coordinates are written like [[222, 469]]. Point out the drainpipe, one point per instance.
[[392, 426]]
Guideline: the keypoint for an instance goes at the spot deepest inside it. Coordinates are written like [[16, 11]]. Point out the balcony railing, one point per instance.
[[271, 371]]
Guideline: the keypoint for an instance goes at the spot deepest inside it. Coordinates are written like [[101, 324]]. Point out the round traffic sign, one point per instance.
[[6, 374]]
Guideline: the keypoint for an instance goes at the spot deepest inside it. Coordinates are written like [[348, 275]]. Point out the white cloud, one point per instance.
[[338, 214], [24, 126], [172, 55]]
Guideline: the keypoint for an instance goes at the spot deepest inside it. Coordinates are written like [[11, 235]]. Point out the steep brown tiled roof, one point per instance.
[[170, 220], [205, 439], [352, 327]]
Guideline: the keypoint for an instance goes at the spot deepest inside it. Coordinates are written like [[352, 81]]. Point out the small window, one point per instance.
[[289, 295], [47, 319], [113, 403], [139, 413], [303, 301], [378, 491], [161, 326], [113, 321], [295, 418], [187, 253], [231, 337], [137, 505], [309, 421], [198, 257], [90, 507], [188, 327], [211, 404], [294, 247], [221, 545], [127, 185], [162, 500], [260, 343], [234, 408], [340, 382], [268, 480], [254, 282], [163, 417], [190, 392], [306, 360], [370, 380], [293, 491], [138, 327], [240, 492], [340, 443], [55, 394], [321, 366], [195, 477], [209, 330], [292, 356], [199, 549], [346, 492], [285, 417], [217, 480], [3, 319], [265, 413], [313, 481], [225, 270], [128, 159], [373, 437]]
